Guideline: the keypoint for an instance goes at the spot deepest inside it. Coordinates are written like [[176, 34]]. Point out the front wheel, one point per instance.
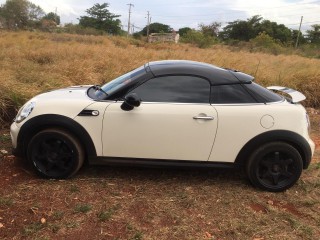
[[55, 153], [274, 166]]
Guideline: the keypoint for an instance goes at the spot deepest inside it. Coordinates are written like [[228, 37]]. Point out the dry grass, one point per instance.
[[35, 62], [122, 203]]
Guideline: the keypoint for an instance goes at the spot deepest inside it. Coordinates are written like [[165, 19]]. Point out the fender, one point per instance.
[[39, 123], [289, 137]]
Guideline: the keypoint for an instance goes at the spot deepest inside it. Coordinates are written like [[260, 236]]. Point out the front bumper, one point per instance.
[[14, 132]]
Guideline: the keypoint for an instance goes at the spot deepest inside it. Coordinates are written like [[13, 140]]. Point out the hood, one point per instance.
[[68, 101], [73, 92]]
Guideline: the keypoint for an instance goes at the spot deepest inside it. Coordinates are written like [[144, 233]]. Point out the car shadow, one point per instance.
[[182, 175]]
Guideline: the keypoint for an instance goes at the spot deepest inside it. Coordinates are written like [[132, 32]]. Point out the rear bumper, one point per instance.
[[309, 156]]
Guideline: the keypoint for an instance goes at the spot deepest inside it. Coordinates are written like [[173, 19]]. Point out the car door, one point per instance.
[[174, 121]]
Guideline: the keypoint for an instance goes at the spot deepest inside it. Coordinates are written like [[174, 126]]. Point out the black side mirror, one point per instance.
[[130, 101]]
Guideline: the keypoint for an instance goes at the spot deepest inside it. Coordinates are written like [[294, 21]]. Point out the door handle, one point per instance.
[[203, 117]]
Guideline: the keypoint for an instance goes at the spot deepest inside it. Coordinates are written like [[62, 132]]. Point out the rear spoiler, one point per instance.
[[295, 95]]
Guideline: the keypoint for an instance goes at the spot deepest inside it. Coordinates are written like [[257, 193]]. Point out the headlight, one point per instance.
[[25, 111]]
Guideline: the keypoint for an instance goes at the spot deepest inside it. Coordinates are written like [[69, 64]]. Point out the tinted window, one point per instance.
[[262, 94], [181, 89], [230, 94]]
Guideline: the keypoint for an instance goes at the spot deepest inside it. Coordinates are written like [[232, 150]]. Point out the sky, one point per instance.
[[190, 13]]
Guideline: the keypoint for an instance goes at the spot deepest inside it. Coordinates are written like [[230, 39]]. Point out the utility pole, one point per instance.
[[56, 16], [130, 5], [132, 28], [299, 32], [148, 25]]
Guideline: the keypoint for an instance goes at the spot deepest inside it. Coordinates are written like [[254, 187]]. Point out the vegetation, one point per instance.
[[198, 39], [23, 14], [314, 34], [31, 63], [101, 19], [51, 16], [246, 30], [20, 14], [156, 28]]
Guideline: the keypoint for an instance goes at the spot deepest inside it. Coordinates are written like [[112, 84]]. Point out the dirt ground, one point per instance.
[[141, 203]]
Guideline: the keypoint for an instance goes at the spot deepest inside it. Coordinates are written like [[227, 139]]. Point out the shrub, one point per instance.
[[264, 43], [198, 38]]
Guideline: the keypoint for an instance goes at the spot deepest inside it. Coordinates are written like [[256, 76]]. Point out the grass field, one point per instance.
[[138, 203], [31, 63]]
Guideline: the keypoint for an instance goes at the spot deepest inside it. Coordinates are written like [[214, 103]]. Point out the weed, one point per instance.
[[82, 208], [129, 227], [137, 236], [74, 188], [293, 223], [58, 215], [310, 202], [54, 227], [306, 230], [5, 138], [105, 215], [32, 229], [6, 202], [72, 224]]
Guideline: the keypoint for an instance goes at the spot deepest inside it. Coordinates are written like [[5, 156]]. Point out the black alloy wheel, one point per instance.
[[55, 153], [275, 166]]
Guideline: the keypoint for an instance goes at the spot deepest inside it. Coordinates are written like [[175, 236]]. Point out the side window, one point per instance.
[[225, 94], [180, 89]]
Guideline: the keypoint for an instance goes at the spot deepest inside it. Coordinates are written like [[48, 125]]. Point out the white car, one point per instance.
[[169, 113]]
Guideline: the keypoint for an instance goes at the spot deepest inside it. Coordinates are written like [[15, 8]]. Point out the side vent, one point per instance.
[[89, 113]]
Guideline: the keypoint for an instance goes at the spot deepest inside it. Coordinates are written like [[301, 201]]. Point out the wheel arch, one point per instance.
[[292, 138], [39, 123]]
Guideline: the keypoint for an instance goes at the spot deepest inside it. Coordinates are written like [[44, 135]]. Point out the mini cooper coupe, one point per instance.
[[169, 113]]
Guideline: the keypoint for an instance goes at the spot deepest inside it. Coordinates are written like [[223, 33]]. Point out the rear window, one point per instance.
[[262, 94]]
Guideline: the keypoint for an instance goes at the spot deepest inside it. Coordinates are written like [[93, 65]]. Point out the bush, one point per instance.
[[264, 43], [77, 29], [198, 38]]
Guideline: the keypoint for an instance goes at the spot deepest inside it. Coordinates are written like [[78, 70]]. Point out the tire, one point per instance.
[[275, 166], [55, 153]]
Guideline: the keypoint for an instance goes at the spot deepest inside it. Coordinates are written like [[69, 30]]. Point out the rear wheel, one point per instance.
[[274, 166], [55, 153]]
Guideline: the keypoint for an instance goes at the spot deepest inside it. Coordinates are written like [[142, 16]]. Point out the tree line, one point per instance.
[[23, 14]]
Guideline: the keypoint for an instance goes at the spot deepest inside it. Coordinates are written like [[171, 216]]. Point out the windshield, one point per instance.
[[112, 86]]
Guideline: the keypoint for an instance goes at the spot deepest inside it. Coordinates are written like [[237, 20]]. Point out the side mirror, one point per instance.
[[130, 101]]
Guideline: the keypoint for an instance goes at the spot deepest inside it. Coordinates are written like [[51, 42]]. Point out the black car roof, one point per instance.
[[216, 75]]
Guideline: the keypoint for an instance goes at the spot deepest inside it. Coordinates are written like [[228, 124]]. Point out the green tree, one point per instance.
[[184, 30], [275, 30], [157, 28], [51, 16], [314, 34], [100, 18], [19, 14], [211, 29], [239, 30], [252, 27], [294, 35]]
